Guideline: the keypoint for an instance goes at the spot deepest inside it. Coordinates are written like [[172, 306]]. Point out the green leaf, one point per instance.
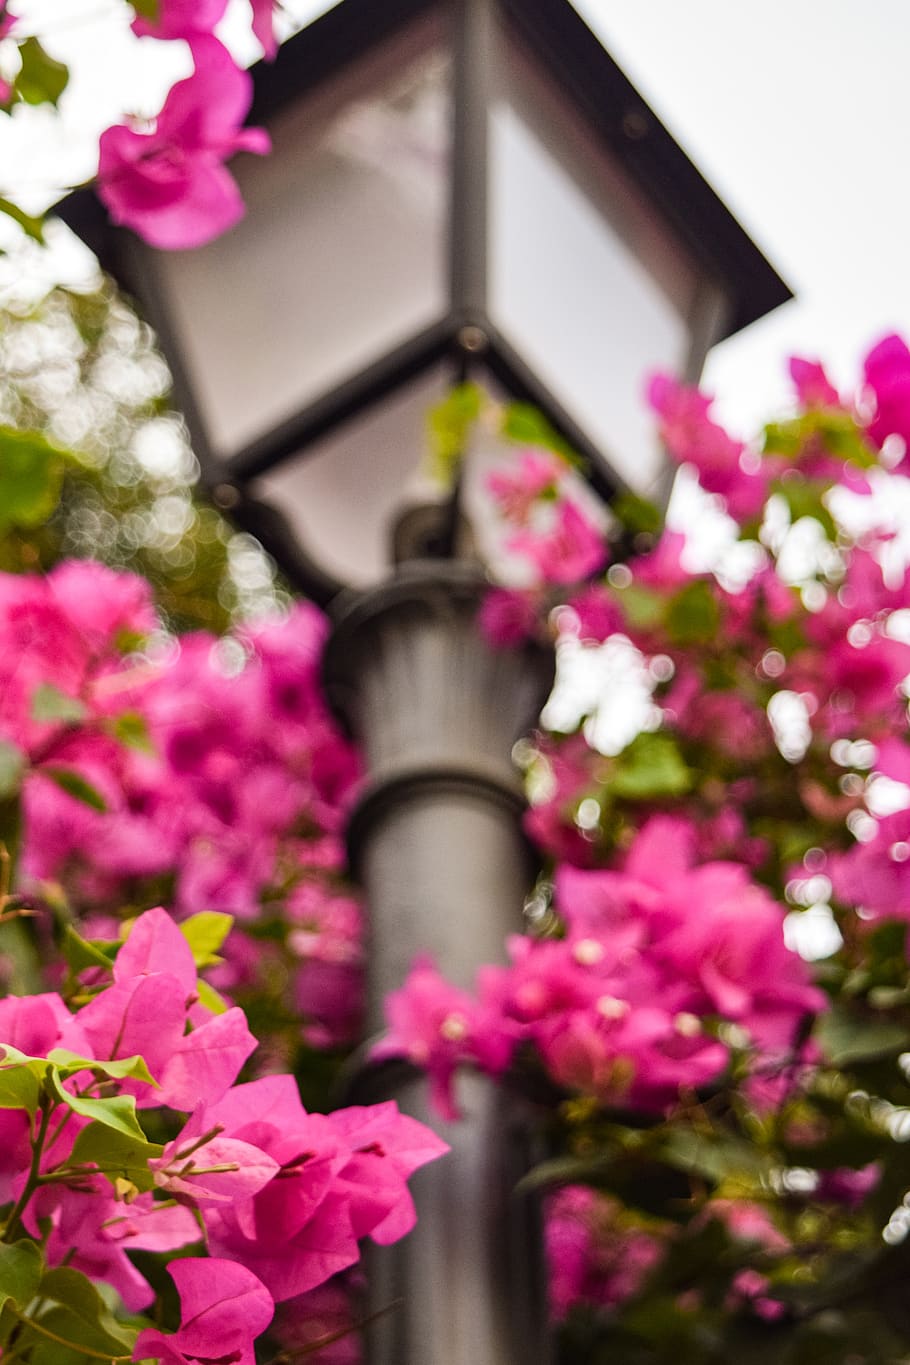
[[118, 1112], [848, 1036], [21, 1265], [82, 1318], [693, 616], [525, 425], [650, 767], [449, 425], [20, 1088], [836, 431], [132, 732], [31, 478], [642, 608], [804, 499], [566, 1170], [69, 1063], [49, 703], [42, 79], [147, 9], [33, 227], [637, 514], [714, 1158], [116, 1154], [75, 785], [22, 1076], [12, 766], [210, 998], [80, 953], [205, 934]]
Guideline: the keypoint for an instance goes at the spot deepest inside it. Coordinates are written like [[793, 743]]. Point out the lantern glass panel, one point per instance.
[[345, 493], [585, 283], [341, 255]]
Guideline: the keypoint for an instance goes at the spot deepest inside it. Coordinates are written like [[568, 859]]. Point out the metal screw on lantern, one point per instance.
[[459, 190]]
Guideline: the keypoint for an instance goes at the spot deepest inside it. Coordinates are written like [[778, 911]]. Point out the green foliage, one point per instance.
[[21, 1267], [113, 477], [31, 478], [523, 424], [31, 226], [132, 732], [79, 953], [804, 499], [28, 1082], [75, 1325], [649, 768], [637, 515], [827, 429], [849, 1035], [42, 79], [117, 1155], [210, 998], [49, 703], [451, 421], [12, 767], [693, 616], [117, 1112], [205, 934], [75, 785], [449, 425]]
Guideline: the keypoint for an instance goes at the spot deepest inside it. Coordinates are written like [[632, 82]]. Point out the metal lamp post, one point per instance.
[[459, 189]]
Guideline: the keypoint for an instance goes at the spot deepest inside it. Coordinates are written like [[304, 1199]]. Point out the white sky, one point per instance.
[[795, 110]]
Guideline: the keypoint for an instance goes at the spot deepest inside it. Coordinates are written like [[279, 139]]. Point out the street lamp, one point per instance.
[[459, 189]]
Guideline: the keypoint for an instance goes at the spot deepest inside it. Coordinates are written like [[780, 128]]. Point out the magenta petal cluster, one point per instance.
[[887, 374], [691, 436], [169, 183], [625, 1006], [223, 1308], [181, 19], [280, 1196]]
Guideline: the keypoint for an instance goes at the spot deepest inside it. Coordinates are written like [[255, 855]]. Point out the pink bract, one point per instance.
[[181, 19], [170, 184], [223, 1308]]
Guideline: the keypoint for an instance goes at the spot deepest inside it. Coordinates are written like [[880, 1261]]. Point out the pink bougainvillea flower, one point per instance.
[[593, 1256], [92, 1231], [341, 1176], [180, 19], [570, 550], [438, 1027], [691, 436], [321, 1324], [508, 617], [517, 487], [169, 184], [223, 1308], [813, 387], [104, 604], [155, 944], [593, 615], [887, 373], [386, 1147], [662, 567], [208, 1168], [146, 1015], [264, 26]]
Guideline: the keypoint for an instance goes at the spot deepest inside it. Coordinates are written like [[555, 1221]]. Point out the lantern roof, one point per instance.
[[575, 59]]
